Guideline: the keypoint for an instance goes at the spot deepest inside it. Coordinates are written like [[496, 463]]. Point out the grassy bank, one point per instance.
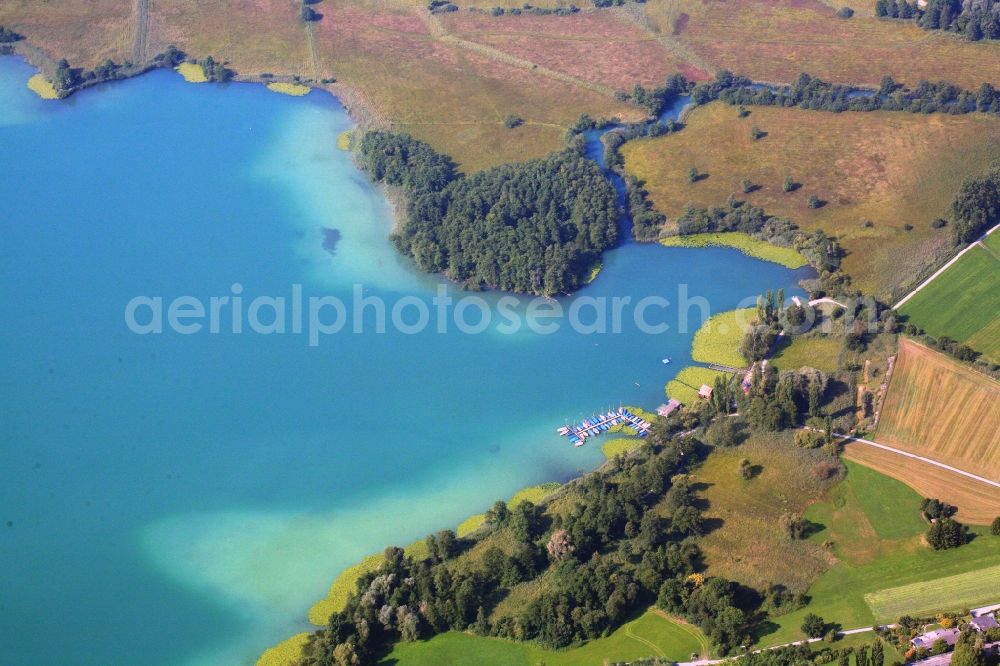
[[344, 585], [748, 245], [652, 634]]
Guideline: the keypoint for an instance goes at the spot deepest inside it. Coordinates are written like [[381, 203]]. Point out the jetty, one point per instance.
[[726, 368], [595, 425]]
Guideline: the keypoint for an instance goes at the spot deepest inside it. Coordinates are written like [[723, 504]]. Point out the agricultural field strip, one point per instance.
[[941, 270], [929, 461], [960, 591]]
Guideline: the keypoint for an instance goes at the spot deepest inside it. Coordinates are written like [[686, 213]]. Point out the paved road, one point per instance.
[[929, 461], [944, 268], [849, 632], [816, 301]]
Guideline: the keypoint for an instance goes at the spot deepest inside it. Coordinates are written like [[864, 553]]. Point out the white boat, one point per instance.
[[665, 361]]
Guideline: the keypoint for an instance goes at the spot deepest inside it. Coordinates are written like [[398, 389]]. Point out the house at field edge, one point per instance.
[[990, 649], [925, 641], [705, 392], [983, 623]]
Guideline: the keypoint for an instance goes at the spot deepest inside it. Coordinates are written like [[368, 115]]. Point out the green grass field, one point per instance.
[[953, 593], [891, 507], [814, 351], [650, 635], [964, 301], [866, 506], [745, 243]]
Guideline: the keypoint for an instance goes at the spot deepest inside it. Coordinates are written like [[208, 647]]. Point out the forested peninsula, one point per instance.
[[534, 227]]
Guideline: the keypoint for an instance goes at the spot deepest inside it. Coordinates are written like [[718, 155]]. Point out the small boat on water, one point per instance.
[[666, 360]]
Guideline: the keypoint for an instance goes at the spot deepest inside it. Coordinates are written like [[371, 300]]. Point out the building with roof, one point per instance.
[[984, 622], [925, 641]]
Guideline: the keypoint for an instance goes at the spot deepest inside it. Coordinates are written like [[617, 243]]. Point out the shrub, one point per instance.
[[814, 201], [938, 223], [845, 12], [8, 36], [813, 625], [788, 185], [693, 175], [995, 527], [947, 533], [512, 121], [757, 133], [908, 227]]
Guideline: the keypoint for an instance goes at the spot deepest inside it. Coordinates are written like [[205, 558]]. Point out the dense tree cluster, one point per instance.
[[215, 70], [808, 92], [629, 540], [442, 7], [657, 99], [646, 220], [8, 36], [934, 509], [969, 650], [975, 19], [533, 227], [526, 8], [947, 533], [977, 206]]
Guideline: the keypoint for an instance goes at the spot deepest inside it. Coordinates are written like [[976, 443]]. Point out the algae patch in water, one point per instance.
[[293, 89], [192, 72], [42, 87]]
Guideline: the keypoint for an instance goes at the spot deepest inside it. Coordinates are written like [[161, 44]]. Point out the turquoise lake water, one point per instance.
[[184, 499]]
